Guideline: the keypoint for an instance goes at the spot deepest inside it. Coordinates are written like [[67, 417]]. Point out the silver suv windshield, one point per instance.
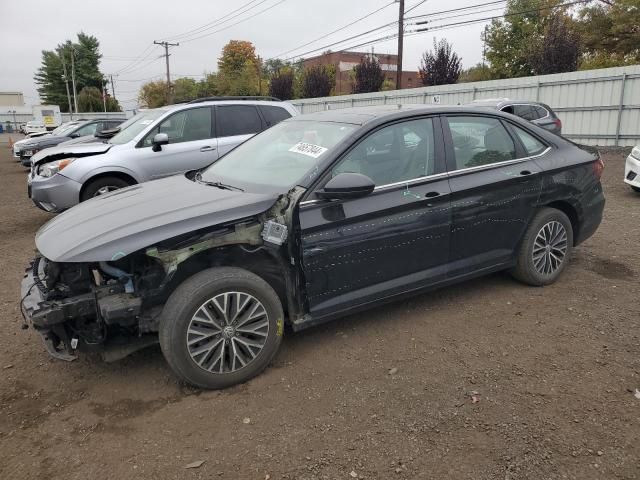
[[279, 157], [136, 124], [63, 128]]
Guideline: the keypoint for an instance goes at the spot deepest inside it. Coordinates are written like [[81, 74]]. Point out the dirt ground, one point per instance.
[[379, 395]]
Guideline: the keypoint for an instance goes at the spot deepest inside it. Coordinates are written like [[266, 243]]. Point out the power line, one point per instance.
[[478, 5], [335, 31], [236, 23], [415, 6], [495, 17], [215, 23]]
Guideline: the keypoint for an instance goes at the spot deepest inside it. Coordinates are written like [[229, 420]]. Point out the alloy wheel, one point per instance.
[[104, 190], [550, 248], [227, 332]]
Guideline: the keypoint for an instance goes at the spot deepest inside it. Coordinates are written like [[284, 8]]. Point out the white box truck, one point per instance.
[[47, 115]]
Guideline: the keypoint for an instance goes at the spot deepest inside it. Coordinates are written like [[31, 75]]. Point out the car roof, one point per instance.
[[226, 101], [499, 102], [363, 115]]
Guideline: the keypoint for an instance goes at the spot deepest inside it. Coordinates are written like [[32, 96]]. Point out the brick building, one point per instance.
[[345, 61]]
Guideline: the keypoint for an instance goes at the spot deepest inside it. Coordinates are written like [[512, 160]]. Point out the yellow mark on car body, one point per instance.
[[280, 329]]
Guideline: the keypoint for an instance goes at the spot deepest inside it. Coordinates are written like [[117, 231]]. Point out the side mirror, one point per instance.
[[347, 185], [158, 140], [74, 135]]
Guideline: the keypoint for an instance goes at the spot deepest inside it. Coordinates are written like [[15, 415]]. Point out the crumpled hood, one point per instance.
[[114, 225], [61, 151]]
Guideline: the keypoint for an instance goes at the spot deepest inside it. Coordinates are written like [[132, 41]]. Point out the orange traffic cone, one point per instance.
[[10, 143]]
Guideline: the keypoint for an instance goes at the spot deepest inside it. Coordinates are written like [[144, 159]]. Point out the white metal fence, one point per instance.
[[597, 107]]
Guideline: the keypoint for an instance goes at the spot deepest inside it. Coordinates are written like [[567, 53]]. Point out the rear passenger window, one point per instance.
[[525, 111], [540, 112], [238, 120], [273, 115], [480, 141], [531, 144]]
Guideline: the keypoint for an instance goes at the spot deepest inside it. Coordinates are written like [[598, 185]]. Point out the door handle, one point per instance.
[[432, 194], [525, 173], [208, 148]]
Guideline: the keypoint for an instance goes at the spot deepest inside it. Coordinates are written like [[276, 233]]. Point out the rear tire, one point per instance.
[[211, 343], [635, 189], [545, 248], [102, 186]]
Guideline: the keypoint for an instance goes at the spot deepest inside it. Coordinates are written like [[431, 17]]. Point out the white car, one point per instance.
[[34, 127], [632, 169]]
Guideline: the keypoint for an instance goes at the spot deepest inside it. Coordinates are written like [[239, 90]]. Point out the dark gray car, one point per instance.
[[87, 127], [538, 113]]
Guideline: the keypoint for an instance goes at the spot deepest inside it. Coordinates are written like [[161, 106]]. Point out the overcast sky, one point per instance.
[[126, 31]]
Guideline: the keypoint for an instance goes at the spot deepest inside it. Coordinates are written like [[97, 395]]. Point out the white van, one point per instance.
[[47, 115]]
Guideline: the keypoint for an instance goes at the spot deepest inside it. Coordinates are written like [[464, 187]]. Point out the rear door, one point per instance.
[[495, 186], [191, 144], [236, 124], [356, 251]]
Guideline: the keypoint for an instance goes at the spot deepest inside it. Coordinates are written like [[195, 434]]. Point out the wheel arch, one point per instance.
[[257, 260], [570, 211], [109, 173]]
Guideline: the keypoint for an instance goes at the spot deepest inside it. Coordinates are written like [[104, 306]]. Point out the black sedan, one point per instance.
[[316, 217], [81, 129]]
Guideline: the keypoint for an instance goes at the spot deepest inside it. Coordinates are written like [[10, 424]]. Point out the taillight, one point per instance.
[[558, 123], [598, 168]]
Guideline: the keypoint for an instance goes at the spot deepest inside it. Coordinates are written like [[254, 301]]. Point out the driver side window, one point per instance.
[[399, 152], [184, 126]]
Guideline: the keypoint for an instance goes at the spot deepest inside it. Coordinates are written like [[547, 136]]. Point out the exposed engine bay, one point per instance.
[[113, 307]]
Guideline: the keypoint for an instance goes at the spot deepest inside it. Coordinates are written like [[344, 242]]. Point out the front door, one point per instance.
[[495, 186], [191, 144], [356, 251]]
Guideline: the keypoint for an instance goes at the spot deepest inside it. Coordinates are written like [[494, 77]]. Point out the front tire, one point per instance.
[[102, 186], [635, 189], [221, 327], [545, 248]]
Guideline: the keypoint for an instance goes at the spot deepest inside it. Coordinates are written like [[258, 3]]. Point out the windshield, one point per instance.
[[136, 124], [278, 157], [62, 128]]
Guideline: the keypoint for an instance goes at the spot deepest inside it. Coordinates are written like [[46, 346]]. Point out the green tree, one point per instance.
[[208, 86], [281, 85], [610, 34], [153, 94], [50, 79], [440, 66], [317, 81], [477, 73], [184, 90], [90, 100], [239, 69], [558, 50], [368, 76], [510, 41]]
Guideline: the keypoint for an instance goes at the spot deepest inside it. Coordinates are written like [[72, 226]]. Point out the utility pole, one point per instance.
[[113, 88], [484, 47], [166, 46], [66, 81], [104, 95], [400, 44], [73, 78]]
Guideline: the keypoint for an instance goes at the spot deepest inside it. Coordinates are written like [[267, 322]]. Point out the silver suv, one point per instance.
[[153, 144]]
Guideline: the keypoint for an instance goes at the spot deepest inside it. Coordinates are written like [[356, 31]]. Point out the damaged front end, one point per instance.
[[113, 307], [89, 307]]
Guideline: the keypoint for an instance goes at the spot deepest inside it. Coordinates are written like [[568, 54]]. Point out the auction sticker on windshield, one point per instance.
[[308, 149]]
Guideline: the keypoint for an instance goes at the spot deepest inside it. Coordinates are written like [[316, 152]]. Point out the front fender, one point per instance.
[[94, 172]]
